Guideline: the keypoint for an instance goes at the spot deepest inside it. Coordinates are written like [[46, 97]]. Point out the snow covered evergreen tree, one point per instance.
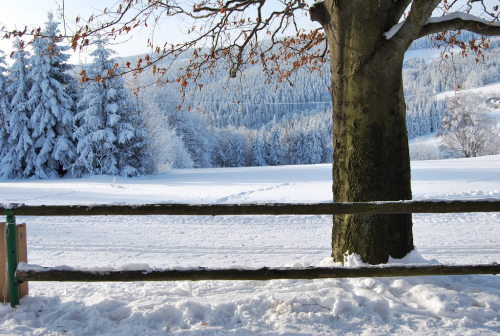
[[196, 134], [4, 102], [273, 145], [316, 152], [109, 131], [258, 156], [167, 149], [51, 106], [18, 154], [235, 150]]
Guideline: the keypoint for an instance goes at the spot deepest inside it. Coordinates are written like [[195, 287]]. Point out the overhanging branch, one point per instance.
[[460, 21]]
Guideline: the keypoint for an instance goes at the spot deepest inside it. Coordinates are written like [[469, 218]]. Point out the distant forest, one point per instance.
[[241, 122]]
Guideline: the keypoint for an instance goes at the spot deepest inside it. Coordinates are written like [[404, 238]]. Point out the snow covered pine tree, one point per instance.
[[18, 150], [109, 131], [50, 105]]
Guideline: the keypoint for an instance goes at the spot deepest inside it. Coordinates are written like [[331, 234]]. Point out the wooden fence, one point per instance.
[[26, 273]]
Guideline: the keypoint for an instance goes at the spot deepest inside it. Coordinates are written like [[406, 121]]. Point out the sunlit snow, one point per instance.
[[451, 305]]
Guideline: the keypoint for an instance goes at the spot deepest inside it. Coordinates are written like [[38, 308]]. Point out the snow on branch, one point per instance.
[[461, 21], [454, 21]]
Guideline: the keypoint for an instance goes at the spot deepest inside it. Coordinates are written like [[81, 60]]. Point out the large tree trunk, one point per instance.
[[371, 157]]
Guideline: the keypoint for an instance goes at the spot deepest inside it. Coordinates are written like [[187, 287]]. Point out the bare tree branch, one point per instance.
[[224, 30]]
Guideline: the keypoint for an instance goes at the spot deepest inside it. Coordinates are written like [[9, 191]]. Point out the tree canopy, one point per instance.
[[275, 33]]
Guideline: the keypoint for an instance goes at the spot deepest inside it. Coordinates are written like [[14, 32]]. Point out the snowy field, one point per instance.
[[451, 305]]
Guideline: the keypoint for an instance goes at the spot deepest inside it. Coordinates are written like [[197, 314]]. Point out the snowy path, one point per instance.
[[461, 305]]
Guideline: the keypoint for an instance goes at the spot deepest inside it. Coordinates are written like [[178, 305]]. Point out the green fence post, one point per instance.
[[12, 258]]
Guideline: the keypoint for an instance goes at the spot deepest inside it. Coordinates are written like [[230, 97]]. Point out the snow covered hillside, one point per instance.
[[454, 305]]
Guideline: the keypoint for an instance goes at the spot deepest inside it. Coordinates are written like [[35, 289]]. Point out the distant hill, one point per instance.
[[231, 121]]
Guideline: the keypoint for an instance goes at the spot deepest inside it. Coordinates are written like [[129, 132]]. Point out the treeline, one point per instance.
[[234, 123], [291, 139], [251, 104], [430, 41]]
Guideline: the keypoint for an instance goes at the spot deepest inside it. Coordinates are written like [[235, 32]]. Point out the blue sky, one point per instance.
[[15, 14]]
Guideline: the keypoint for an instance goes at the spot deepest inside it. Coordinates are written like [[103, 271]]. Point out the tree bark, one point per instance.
[[371, 157]]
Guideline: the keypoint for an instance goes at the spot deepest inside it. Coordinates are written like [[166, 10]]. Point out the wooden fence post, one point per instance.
[[22, 256]]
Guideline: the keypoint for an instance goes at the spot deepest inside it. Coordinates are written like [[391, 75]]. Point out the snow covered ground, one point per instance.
[[486, 90], [454, 305]]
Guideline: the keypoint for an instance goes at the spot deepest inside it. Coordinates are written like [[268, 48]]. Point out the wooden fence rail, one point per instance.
[[399, 207], [17, 275], [261, 274]]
